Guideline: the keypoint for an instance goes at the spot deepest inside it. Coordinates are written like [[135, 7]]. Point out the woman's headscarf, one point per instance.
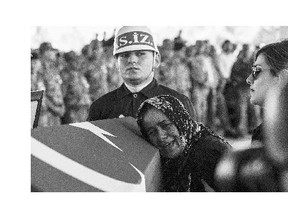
[[176, 112], [176, 174]]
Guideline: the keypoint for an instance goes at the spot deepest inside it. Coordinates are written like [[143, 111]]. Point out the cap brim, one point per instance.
[[134, 48]]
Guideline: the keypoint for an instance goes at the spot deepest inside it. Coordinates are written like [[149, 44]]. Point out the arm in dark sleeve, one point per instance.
[[94, 112], [208, 153]]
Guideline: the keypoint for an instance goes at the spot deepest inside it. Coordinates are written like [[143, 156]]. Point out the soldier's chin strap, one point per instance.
[[154, 60]]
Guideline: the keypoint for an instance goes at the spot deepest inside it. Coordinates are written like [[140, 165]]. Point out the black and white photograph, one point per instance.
[[95, 91], [154, 99]]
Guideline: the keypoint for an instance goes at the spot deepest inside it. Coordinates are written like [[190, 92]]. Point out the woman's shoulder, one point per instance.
[[211, 141]]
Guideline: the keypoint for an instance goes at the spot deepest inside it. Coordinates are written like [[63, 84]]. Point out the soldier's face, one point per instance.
[[137, 66]]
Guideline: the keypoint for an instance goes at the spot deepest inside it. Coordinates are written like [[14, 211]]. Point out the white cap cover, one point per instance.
[[131, 38]]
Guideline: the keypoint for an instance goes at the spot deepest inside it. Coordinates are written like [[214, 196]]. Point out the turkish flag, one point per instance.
[[106, 155]]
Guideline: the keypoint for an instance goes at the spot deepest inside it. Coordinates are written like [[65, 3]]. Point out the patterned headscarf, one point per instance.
[[176, 176], [176, 112]]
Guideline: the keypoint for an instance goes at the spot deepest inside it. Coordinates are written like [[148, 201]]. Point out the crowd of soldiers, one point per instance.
[[214, 78]]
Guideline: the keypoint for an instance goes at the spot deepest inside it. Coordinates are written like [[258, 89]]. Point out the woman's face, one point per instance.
[[262, 81], [163, 133]]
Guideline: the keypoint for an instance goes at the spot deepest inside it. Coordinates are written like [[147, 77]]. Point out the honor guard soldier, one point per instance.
[[137, 59]]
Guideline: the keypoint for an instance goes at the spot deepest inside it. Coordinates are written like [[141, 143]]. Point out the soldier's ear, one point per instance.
[[157, 60]]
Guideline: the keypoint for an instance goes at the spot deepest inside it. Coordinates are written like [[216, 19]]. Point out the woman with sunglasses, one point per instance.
[[264, 167], [270, 70]]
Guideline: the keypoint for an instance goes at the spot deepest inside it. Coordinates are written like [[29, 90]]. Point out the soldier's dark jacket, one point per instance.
[[121, 102]]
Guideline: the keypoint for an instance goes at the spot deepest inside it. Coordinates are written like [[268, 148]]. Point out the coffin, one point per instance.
[[106, 155]]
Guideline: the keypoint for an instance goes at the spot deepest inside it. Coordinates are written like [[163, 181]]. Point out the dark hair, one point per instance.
[[85, 50], [276, 55], [225, 42], [70, 56]]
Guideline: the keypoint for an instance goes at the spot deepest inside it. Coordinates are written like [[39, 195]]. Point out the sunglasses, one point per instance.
[[256, 70]]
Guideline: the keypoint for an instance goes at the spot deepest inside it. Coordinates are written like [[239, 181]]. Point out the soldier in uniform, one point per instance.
[[35, 70], [225, 92], [76, 98], [95, 70], [137, 58], [165, 75], [52, 105], [213, 77], [200, 82], [181, 71]]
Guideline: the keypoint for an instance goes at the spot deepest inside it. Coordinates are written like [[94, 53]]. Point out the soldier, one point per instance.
[[137, 58], [35, 70], [165, 75], [181, 71], [52, 105], [199, 76], [213, 78], [173, 71], [225, 93], [95, 70], [76, 98]]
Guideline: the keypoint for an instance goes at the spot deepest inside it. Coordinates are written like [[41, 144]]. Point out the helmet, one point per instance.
[[131, 38]]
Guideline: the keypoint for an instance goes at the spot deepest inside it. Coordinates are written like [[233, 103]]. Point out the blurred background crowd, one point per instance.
[[213, 77]]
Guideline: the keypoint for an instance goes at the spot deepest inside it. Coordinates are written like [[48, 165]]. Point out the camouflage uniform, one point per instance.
[[35, 73], [114, 79], [77, 99], [174, 73], [52, 105], [95, 71], [199, 78], [75, 90], [213, 80], [37, 83], [216, 117], [181, 74], [166, 75], [225, 90]]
